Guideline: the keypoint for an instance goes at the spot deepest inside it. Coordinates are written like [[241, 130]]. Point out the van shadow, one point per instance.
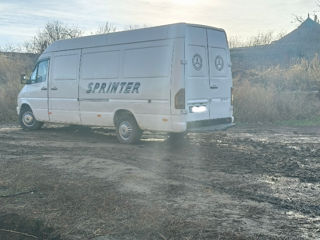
[[81, 133], [107, 135]]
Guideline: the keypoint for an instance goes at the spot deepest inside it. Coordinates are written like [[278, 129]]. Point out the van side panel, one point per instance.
[[99, 68], [133, 77], [150, 66]]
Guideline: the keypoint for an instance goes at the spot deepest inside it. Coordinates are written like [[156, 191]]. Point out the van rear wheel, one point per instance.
[[28, 121], [128, 130]]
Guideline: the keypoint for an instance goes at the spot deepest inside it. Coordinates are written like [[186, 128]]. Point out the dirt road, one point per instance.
[[79, 183]]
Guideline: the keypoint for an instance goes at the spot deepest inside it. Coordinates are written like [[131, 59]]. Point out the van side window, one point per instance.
[[40, 72]]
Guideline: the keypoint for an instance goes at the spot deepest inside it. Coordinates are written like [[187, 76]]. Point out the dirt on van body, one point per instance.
[[252, 182]]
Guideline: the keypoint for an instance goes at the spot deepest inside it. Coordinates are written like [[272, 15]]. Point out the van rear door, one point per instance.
[[197, 88], [220, 79], [208, 80]]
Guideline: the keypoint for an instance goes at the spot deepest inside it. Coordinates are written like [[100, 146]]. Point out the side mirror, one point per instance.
[[24, 79]]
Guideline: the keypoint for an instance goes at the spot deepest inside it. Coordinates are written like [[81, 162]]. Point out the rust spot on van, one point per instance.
[[99, 115], [165, 120]]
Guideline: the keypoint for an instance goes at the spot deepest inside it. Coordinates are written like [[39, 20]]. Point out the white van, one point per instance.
[[173, 78]]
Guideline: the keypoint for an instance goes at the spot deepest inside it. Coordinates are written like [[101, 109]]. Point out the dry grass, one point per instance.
[[255, 103], [11, 67], [302, 75], [277, 94], [8, 101]]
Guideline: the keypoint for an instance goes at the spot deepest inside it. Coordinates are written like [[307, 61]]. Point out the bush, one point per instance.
[[265, 104], [53, 31], [8, 101], [277, 94], [11, 67]]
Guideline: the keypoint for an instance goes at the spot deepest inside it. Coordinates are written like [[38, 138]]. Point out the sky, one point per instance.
[[20, 20]]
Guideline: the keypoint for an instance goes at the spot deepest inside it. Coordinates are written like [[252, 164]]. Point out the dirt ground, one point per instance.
[[72, 183]]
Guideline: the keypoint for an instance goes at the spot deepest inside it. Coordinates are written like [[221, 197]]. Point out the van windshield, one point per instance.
[[34, 75]]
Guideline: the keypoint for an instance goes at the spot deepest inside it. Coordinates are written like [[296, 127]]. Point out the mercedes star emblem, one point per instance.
[[197, 62], [219, 63]]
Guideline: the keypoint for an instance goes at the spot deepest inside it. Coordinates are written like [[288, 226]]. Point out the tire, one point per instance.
[[28, 121], [127, 130]]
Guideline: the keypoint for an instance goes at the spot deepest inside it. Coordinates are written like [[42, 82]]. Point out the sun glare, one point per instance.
[[184, 2]]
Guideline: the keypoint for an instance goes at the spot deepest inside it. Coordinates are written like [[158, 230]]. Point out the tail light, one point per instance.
[[179, 99], [232, 96]]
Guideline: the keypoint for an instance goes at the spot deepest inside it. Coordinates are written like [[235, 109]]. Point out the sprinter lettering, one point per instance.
[[114, 87]]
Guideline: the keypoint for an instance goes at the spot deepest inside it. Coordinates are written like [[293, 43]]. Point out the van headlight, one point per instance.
[[198, 109]]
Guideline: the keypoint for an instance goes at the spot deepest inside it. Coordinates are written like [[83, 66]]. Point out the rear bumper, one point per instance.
[[210, 125]]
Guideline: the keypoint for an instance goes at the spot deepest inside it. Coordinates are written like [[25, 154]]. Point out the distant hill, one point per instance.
[[303, 42]]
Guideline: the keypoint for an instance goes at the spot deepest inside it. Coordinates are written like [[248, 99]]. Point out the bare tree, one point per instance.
[[298, 19], [235, 42], [10, 48], [134, 27], [53, 31], [106, 28], [261, 39]]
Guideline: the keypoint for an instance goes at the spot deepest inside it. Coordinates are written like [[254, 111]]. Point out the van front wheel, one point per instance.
[[128, 130], [28, 121]]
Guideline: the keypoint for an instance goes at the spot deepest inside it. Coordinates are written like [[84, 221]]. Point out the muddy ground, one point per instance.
[[248, 182]]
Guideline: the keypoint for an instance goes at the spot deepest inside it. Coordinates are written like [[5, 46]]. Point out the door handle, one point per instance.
[[44, 88], [54, 88]]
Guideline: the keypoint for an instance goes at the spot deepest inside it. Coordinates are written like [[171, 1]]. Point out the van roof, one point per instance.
[[139, 35]]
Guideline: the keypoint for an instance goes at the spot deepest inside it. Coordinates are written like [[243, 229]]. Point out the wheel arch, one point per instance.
[[25, 106], [122, 112]]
